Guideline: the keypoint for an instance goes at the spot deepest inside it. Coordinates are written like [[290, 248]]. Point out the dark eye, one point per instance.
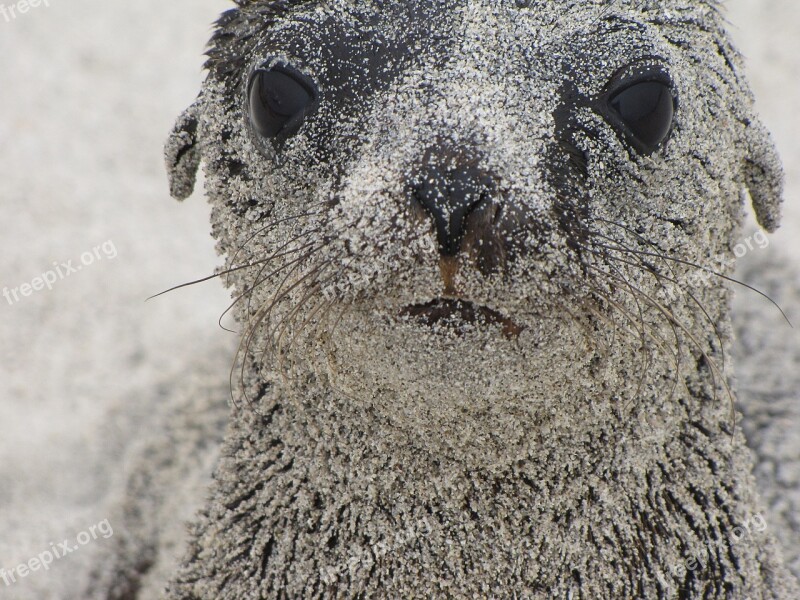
[[279, 101], [646, 109]]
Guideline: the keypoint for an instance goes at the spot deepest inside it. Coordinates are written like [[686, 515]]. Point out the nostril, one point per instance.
[[450, 200]]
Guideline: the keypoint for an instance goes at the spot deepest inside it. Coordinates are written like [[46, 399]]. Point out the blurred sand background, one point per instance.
[[88, 93]]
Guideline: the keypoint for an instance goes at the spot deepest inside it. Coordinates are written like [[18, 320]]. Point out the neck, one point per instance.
[[337, 489]]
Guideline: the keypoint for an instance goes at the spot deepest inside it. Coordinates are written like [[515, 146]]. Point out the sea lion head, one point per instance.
[[436, 202]]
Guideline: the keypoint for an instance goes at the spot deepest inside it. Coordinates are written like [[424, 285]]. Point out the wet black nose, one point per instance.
[[449, 195]]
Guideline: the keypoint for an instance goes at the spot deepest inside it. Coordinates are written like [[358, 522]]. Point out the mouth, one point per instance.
[[459, 316]]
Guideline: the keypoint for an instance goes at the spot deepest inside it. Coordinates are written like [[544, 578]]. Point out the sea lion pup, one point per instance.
[[478, 251]]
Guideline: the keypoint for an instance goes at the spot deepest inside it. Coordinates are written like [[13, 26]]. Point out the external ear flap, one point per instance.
[[182, 153], [763, 175]]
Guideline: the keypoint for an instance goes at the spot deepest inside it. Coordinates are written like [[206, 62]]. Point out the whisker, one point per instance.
[[275, 223], [230, 270], [277, 334], [591, 336], [631, 288], [248, 292], [660, 343], [645, 354], [311, 314], [281, 250], [262, 313], [278, 297], [713, 368], [203, 279], [712, 272], [659, 279]]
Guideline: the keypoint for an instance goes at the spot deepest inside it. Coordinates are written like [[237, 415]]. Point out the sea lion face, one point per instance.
[[432, 177]]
